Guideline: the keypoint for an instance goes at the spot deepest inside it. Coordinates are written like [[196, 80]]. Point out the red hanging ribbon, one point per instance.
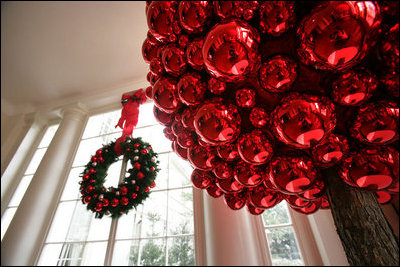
[[129, 115]]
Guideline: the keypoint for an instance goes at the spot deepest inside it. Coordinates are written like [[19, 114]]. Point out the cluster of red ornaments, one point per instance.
[[261, 97]]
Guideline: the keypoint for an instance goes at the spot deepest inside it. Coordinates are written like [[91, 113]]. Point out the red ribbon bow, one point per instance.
[[129, 115]]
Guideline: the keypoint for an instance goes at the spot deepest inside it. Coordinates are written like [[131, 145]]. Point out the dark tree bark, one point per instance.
[[367, 237]]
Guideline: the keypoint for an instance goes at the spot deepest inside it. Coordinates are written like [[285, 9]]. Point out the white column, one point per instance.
[[327, 239], [232, 237], [20, 161], [22, 242]]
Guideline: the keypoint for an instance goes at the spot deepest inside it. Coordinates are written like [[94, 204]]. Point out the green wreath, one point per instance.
[[131, 191]]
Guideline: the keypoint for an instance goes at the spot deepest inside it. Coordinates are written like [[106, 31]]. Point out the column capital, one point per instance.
[[77, 111], [35, 118]]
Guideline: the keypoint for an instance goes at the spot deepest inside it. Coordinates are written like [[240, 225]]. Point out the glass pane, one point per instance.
[[146, 116], [126, 253], [179, 171], [162, 175], [130, 225], [48, 136], [113, 173], [181, 251], [6, 220], [283, 247], [71, 188], [180, 211], [155, 214], [79, 223], [152, 252], [102, 124], [155, 136], [88, 148], [34, 164], [20, 191], [59, 227], [50, 255], [277, 215], [99, 228], [94, 254], [71, 254]]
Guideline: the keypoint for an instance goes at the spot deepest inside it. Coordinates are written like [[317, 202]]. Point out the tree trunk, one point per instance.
[[367, 237]]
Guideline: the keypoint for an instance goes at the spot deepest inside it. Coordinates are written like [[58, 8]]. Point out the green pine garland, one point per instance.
[[131, 191]]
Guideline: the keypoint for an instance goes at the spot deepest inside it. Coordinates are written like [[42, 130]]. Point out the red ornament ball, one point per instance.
[[292, 174], [253, 210], [276, 17], [236, 9], [245, 98], [235, 201], [230, 50], [315, 192], [191, 89], [247, 174], [162, 117], [371, 168], [137, 166], [222, 170], [255, 148], [194, 16], [377, 123], [217, 123], [140, 175], [258, 117], [182, 152], [228, 152], [312, 207], [263, 197], [160, 15], [165, 95], [194, 54], [124, 201], [390, 47], [383, 197], [216, 86], [214, 191], [174, 60], [201, 157], [229, 185], [149, 92], [201, 179], [187, 118], [303, 121], [353, 88], [169, 134], [390, 79], [331, 151], [149, 51], [278, 74], [114, 202], [337, 35]]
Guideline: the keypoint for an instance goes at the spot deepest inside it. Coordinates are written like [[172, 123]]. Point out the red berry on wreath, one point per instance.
[[153, 169], [128, 149], [89, 188], [144, 151], [114, 202], [153, 184], [124, 190], [140, 175], [93, 159], [134, 195], [85, 177], [91, 171], [99, 206], [99, 152], [105, 202], [147, 189], [136, 145], [137, 188], [86, 199], [124, 201], [137, 166]]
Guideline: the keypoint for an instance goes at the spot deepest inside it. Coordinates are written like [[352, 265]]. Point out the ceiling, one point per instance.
[[55, 52]]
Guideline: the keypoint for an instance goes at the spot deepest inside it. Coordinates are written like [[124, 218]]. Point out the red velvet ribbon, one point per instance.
[[129, 116]]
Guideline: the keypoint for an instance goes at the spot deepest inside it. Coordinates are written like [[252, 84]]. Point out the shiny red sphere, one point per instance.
[[337, 34], [253, 210], [174, 60], [276, 17], [180, 151], [200, 179], [371, 168], [216, 86], [292, 174], [312, 207], [255, 148], [228, 152], [149, 51], [194, 54], [201, 158], [191, 89], [390, 79], [222, 170], [377, 123], [389, 47], [235, 201], [248, 175], [245, 98], [236, 9], [303, 121], [165, 95], [230, 50], [353, 88], [317, 191], [160, 17], [263, 197], [330, 152], [258, 117], [229, 185], [278, 74], [217, 123], [194, 15]]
